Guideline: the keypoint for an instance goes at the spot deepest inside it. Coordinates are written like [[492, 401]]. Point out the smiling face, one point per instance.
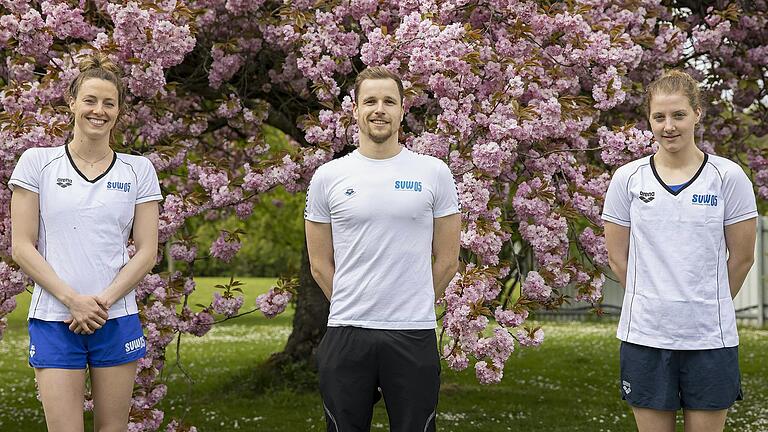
[[673, 121], [95, 107], [378, 111]]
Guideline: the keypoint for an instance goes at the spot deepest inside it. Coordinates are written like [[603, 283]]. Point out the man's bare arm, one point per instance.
[[320, 248]]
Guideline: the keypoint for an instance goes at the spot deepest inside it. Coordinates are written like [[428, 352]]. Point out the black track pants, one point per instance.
[[354, 362]]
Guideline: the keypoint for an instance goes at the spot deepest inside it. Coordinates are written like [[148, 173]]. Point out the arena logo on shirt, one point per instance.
[[408, 185], [647, 197], [704, 200], [135, 344], [64, 182], [119, 186]]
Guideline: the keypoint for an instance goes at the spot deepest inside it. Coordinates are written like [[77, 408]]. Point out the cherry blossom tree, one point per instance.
[[532, 105]]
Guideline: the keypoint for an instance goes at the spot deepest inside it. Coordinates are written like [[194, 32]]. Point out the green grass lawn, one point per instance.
[[568, 384]]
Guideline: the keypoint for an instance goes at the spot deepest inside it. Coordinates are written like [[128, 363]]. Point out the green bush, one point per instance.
[[272, 243]]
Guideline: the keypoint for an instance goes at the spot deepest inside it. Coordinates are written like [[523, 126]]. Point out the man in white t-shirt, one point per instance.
[[375, 219]]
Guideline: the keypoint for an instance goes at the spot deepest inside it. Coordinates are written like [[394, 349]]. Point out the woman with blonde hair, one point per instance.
[[74, 209], [680, 234]]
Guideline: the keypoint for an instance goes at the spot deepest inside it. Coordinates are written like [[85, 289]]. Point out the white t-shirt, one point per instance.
[[381, 214], [84, 225], [677, 294]]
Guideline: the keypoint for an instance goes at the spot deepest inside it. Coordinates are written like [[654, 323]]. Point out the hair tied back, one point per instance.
[[98, 61]]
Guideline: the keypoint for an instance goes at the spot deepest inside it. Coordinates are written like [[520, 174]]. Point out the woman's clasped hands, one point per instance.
[[89, 313]]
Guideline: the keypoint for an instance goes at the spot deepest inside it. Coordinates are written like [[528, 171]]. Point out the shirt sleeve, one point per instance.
[[447, 195], [316, 208], [738, 197], [26, 174], [617, 200], [149, 186]]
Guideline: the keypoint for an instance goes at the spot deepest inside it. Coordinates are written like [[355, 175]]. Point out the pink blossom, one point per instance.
[[183, 252], [709, 39], [431, 144], [378, 48], [608, 91], [230, 107], [149, 285], [530, 338], [273, 302], [226, 305], [174, 213], [549, 237], [531, 199], [149, 37], [66, 21], [474, 194], [201, 323], [161, 315], [12, 281], [33, 40], [619, 147], [510, 317], [224, 247], [244, 210], [224, 67], [487, 373], [101, 40], [146, 80], [592, 292], [492, 157], [9, 25], [455, 357], [189, 286], [152, 422], [486, 243], [496, 348], [595, 246], [7, 306], [535, 288]]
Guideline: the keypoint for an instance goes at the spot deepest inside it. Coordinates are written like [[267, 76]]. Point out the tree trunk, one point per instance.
[[309, 321]]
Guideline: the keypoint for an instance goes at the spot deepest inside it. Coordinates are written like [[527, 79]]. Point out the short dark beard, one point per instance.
[[379, 139]]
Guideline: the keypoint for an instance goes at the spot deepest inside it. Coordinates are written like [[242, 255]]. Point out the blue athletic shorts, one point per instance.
[[665, 379], [53, 345]]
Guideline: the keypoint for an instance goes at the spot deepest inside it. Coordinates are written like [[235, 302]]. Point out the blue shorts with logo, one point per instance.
[[664, 379], [53, 345]]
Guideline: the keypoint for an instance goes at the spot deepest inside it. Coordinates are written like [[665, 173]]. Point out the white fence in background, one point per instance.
[[751, 302]]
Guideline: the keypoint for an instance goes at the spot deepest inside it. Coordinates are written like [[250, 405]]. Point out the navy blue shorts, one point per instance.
[[664, 379], [53, 345]]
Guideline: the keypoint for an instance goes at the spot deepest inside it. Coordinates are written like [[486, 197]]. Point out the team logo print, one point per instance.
[[64, 182], [647, 197], [31, 350], [135, 344], [704, 200], [408, 185], [626, 386], [119, 186], [349, 192]]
